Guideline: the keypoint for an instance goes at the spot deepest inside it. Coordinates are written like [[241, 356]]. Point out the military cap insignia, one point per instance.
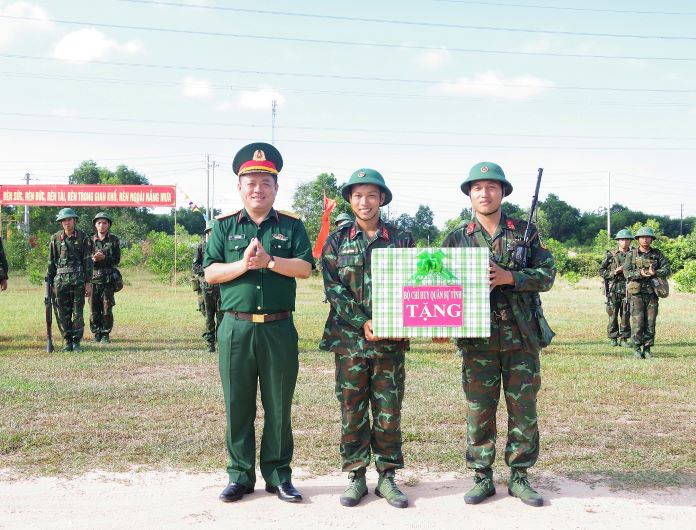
[[279, 237], [484, 169], [361, 174], [259, 155]]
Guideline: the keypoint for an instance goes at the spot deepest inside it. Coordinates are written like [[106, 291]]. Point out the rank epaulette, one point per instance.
[[226, 215], [289, 214]]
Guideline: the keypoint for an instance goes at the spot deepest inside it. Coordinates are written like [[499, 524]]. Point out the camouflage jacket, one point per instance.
[[637, 260], [3, 263], [70, 258], [517, 320], [197, 269], [607, 270], [346, 260], [111, 247]]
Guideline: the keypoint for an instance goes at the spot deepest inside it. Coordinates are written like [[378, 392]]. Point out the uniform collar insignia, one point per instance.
[[470, 228], [384, 233], [510, 225], [353, 232]]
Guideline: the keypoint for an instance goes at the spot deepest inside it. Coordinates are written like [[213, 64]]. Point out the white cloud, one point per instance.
[[434, 58], [259, 99], [9, 28], [89, 44], [494, 85], [196, 88]]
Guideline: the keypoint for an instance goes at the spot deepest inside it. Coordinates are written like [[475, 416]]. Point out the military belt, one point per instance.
[[260, 318], [96, 273], [68, 270]]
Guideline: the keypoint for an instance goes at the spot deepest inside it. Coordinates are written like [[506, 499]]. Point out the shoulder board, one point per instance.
[[226, 215], [288, 214]]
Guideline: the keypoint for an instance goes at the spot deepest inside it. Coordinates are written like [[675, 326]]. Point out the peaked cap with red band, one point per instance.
[[258, 157]]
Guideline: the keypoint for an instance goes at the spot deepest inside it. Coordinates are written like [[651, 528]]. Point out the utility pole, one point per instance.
[[609, 210], [213, 165], [27, 177], [681, 218], [274, 106], [207, 173]]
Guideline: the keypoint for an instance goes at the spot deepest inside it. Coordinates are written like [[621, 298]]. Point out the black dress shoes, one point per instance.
[[235, 491], [285, 491]]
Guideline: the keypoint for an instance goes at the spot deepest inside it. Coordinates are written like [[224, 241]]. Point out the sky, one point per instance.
[[602, 95]]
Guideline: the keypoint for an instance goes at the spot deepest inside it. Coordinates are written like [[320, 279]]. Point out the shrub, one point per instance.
[[160, 254], [686, 278]]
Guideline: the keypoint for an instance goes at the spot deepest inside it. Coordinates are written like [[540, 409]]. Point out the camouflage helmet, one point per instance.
[[366, 176], [487, 171], [343, 218], [209, 225], [66, 213], [102, 215], [624, 233], [645, 231]]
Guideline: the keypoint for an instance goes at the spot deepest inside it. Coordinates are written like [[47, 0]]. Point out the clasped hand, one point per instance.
[[255, 256]]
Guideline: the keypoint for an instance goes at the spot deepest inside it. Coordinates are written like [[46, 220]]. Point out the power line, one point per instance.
[[384, 45], [568, 8], [407, 22], [355, 77], [348, 129]]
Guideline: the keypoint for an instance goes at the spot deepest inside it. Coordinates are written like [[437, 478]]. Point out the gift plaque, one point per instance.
[[430, 292]]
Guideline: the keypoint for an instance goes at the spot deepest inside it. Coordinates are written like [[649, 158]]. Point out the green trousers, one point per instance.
[[211, 308], [644, 309], [482, 373], [619, 325], [265, 355], [70, 302], [101, 303]]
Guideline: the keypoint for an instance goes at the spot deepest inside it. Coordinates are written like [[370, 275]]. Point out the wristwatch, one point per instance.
[[271, 263]]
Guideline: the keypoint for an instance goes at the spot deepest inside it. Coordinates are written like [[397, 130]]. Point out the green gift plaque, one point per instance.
[[430, 292]]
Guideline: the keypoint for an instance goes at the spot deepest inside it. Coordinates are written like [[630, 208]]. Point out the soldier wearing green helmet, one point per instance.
[[646, 269], [3, 268], [612, 270], [370, 371], [208, 294], [343, 218], [510, 355], [70, 272], [106, 255]]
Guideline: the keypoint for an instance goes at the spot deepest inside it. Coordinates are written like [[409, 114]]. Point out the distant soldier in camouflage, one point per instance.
[[370, 371], [343, 219], [69, 271], [518, 332], [106, 254], [4, 269], [612, 270], [209, 293], [643, 267]]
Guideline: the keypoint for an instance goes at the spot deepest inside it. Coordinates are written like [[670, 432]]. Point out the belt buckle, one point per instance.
[[258, 319]]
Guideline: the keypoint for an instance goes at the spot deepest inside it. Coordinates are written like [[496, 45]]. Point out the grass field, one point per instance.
[[152, 398]]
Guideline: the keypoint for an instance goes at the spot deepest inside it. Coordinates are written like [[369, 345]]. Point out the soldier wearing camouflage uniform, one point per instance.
[[518, 332], [642, 265], [343, 219], [106, 254], [3, 268], [209, 294], [612, 270], [69, 271], [370, 371]]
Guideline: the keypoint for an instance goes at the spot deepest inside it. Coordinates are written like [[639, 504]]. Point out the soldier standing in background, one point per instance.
[[612, 270], [370, 371], [209, 294], [3, 268], [643, 265], [106, 254], [343, 219], [69, 272], [518, 333]]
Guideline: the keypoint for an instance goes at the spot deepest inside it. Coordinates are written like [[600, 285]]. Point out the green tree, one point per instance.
[[424, 230], [308, 202], [564, 218]]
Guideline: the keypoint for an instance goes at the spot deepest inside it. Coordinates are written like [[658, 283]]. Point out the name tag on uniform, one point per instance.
[[280, 237], [349, 251], [235, 237]]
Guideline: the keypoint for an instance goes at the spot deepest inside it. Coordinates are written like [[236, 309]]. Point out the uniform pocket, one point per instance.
[[282, 249], [235, 247]]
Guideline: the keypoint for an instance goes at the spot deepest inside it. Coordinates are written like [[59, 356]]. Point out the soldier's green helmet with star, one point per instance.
[[645, 231], [102, 215], [624, 233], [66, 213], [366, 176], [487, 171], [343, 218]]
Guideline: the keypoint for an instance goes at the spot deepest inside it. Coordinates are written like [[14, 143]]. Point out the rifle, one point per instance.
[[48, 302], [607, 295], [521, 256]]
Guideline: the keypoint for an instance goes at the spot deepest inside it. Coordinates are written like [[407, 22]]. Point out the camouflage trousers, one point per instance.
[[482, 373], [70, 302], [644, 308], [371, 384], [619, 325], [212, 313], [101, 303]]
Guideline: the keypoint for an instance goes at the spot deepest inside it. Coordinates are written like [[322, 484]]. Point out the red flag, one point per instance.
[[329, 205]]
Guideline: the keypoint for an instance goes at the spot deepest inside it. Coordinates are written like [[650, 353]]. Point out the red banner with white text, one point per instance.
[[88, 195]]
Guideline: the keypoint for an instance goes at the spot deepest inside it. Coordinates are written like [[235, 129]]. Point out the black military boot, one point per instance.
[[613, 342], [105, 338], [646, 352], [68, 346], [76, 347], [97, 337]]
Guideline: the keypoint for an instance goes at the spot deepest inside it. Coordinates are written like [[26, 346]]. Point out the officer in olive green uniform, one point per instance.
[[518, 333], [69, 272], [106, 255], [370, 372], [343, 219], [209, 294], [255, 254], [644, 266], [612, 270], [3, 268]]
